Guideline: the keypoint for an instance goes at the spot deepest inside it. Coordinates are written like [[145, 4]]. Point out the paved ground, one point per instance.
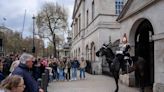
[[93, 83]]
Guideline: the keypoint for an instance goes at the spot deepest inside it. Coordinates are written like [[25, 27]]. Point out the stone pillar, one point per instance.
[[159, 69]]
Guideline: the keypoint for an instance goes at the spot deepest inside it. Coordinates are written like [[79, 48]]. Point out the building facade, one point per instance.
[[97, 21], [142, 21], [94, 24], [3, 31]]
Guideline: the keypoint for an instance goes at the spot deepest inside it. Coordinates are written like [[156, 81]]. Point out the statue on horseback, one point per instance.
[[121, 60]]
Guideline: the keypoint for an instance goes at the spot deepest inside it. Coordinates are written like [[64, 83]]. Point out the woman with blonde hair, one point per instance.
[[13, 83]]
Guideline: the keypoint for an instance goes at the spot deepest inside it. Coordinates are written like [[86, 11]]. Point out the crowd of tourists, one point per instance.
[[66, 68], [19, 73]]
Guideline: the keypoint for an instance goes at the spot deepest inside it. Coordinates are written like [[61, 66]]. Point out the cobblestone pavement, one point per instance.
[[92, 83]]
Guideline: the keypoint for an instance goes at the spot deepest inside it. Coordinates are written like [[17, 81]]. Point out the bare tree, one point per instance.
[[50, 20]]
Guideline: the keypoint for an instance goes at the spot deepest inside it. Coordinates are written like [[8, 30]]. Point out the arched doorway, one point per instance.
[[144, 47]]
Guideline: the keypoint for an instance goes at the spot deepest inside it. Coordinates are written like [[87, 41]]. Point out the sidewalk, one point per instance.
[[93, 83]]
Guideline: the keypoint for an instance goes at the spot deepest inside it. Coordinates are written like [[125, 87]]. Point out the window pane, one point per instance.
[[118, 6]]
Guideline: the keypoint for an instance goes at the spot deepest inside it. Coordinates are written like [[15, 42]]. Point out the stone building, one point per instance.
[[142, 21], [97, 21], [94, 23], [3, 31], [66, 49]]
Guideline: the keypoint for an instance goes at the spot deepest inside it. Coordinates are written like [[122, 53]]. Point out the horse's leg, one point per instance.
[[142, 84], [116, 77]]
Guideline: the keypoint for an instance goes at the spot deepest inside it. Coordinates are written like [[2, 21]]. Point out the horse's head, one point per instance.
[[102, 51], [106, 51]]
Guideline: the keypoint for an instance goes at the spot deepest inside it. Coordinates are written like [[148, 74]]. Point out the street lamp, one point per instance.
[[33, 48]]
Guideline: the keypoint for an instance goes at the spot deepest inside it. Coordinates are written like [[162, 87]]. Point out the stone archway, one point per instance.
[[140, 36]]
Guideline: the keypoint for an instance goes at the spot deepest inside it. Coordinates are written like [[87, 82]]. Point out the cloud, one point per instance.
[[14, 11]]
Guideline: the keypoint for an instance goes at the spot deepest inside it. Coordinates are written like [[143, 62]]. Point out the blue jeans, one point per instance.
[[74, 73], [55, 74], [82, 73], [61, 74]]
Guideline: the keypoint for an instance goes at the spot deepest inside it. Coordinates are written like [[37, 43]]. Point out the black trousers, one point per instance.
[[68, 76]]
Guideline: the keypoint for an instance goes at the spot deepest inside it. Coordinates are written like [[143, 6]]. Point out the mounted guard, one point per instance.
[[124, 49]]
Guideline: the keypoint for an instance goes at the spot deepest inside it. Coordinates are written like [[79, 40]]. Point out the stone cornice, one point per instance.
[[98, 16], [158, 36], [122, 16], [99, 27]]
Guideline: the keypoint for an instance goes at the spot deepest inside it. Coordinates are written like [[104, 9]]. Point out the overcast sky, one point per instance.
[[12, 13]]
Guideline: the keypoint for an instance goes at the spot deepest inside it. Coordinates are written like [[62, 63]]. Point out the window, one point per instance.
[[93, 10], [87, 18], [93, 51], [76, 27], [79, 24], [119, 5], [74, 30], [76, 53], [79, 53], [1, 46], [87, 52]]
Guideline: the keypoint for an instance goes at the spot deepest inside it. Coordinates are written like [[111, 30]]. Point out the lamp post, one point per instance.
[[33, 48]]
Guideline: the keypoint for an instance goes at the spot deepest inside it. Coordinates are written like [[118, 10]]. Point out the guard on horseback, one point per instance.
[[124, 49]]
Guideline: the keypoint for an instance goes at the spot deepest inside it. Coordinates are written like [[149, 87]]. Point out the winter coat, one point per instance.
[[75, 64], [30, 83], [83, 64], [6, 66]]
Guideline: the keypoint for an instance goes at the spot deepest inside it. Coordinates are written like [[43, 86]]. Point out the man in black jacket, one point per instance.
[[23, 69]]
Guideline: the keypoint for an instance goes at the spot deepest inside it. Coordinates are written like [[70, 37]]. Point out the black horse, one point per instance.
[[117, 62]]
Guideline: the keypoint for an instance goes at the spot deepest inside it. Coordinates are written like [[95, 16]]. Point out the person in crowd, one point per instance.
[[61, 67], [14, 83], [44, 64], [64, 59], [36, 69], [14, 64], [49, 69], [54, 66], [83, 64], [74, 66], [23, 69], [67, 69], [1, 69], [7, 64]]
